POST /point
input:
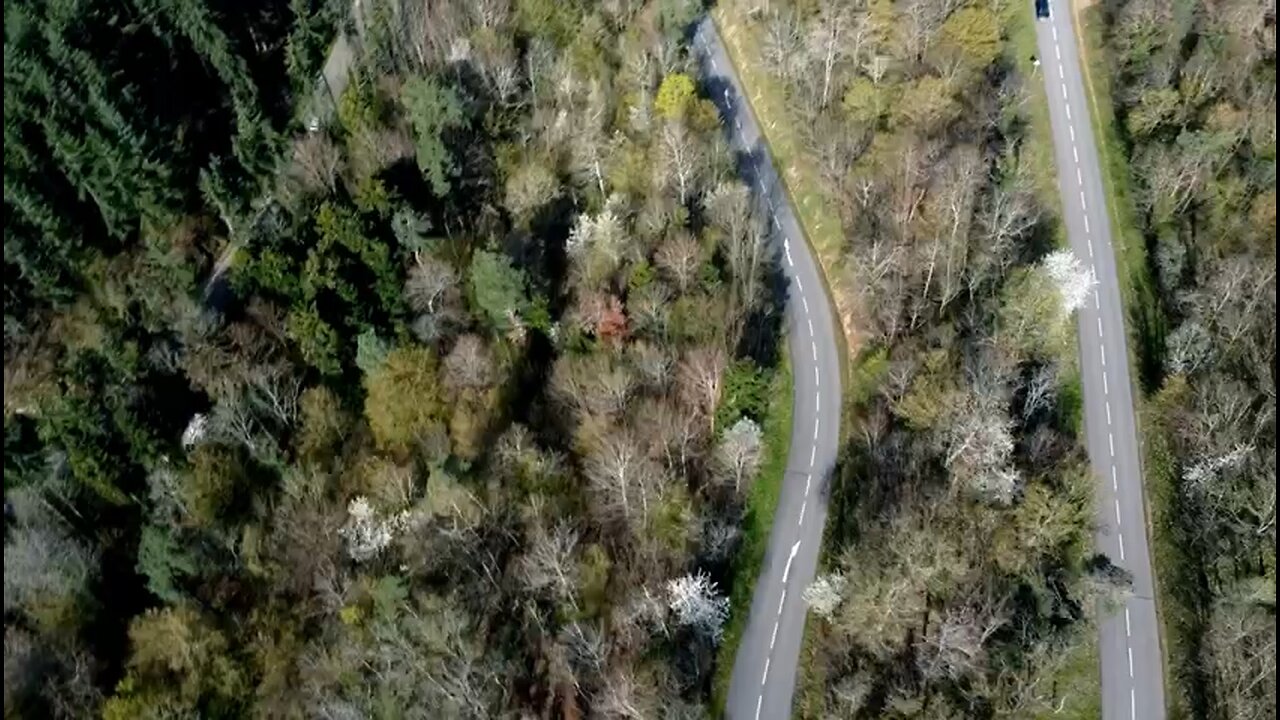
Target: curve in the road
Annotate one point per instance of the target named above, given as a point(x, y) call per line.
point(1129, 643)
point(764, 671)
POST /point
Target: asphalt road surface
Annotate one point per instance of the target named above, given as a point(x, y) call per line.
point(764, 672)
point(1132, 684)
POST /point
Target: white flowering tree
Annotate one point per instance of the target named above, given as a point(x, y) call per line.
point(1038, 303)
point(698, 604)
point(738, 453)
point(367, 532)
point(1204, 474)
point(1071, 278)
point(825, 594)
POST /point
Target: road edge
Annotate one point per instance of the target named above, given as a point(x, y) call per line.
point(1102, 128)
point(844, 348)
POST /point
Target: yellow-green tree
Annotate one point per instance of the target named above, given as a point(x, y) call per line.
point(674, 96)
point(180, 666)
point(974, 33)
point(402, 402)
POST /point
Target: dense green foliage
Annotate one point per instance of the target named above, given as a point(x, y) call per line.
point(113, 111)
point(959, 570)
point(478, 375)
point(1196, 100)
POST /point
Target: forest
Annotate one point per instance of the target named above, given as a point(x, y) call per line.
point(960, 579)
point(441, 402)
point(1195, 106)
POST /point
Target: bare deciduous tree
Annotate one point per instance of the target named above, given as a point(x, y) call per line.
point(469, 365)
point(595, 384)
point(433, 291)
point(681, 257)
point(624, 480)
point(701, 372)
point(316, 163)
point(954, 647)
point(551, 564)
point(681, 160)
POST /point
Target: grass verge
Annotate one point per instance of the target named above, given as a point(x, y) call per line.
point(1037, 147)
point(1081, 700)
point(762, 502)
point(1142, 307)
point(1080, 675)
point(819, 222)
point(1178, 597)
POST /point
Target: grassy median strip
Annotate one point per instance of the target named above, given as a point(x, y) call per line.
point(762, 502)
point(818, 220)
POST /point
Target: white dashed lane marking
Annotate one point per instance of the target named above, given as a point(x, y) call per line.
point(1117, 502)
point(1090, 243)
point(782, 600)
point(1083, 204)
point(814, 346)
point(1111, 441)
point(810, 326)
point(764, 677)
point(1105, 389)
point(758, 701)
point(1068, 109)
point(1071, 129)
point(815, 429)
point(1079, 177)
point(1121, 538)
point(1061, 75)
point(1086, 224)
point(1133, 704)
point(1075, 153)
point(1064, 92)
point(1130, 662)
point(817, 402)
point(1114, 484)
point(805, 300)
point(1128, 629)
point(1108, 412)
point(1102, 349)
point(800, 287)
point(803, 505)
point(816, 380)
point(813, 455)
point(1099, 327)
point(774, 638)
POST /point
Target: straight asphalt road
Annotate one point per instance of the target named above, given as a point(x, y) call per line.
point(764, 671)
point(1132, 676)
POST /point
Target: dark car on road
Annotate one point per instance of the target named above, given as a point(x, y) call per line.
point(1042, 9)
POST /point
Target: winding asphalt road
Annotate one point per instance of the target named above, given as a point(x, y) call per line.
point(1132, 676)
point(764, 672)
